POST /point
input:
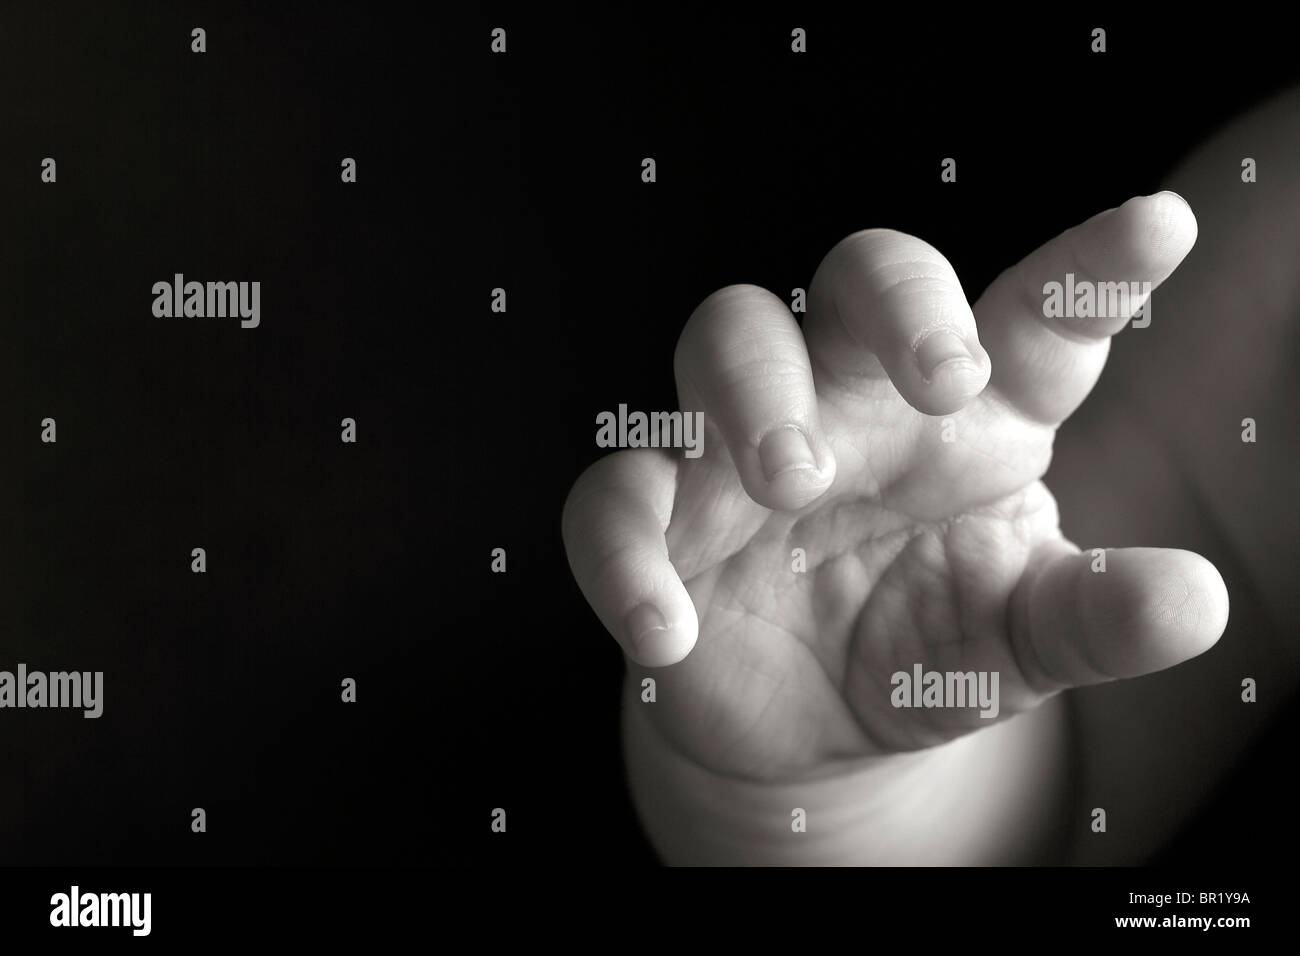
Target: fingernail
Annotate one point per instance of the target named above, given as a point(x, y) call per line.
point(942, 349)
point(785, 449)
point(644, 621)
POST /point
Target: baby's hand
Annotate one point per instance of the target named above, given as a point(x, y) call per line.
point(869, 501)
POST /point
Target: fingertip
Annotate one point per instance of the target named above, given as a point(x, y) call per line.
point(1190, 600)
point(1163, 227)
point(1172, 205)
point(795, 466)
point(1172, 227)
point(953, 385)
point(652, 639)
point(613, 526)
point(1166, 606)
point(952, 371)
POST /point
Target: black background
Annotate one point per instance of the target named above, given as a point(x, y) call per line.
point(327, 560)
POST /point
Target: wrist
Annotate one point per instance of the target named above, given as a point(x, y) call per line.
point(993, 797)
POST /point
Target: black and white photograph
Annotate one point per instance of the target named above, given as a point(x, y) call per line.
point(457, 455)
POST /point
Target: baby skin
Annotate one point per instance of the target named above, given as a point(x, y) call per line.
point(870, 502)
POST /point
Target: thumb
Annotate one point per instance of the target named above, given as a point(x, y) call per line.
point(1093, 616)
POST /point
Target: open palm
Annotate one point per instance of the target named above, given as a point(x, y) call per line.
point(869, 501)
